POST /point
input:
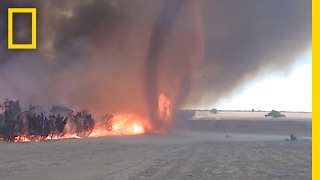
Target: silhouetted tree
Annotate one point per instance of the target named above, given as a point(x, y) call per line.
point(35, 125)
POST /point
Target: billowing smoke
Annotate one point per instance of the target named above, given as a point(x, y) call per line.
point(119, 55)
point(90, 54)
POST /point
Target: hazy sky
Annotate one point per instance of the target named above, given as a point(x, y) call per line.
point(292, 92)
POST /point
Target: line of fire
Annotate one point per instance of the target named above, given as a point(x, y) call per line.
point(36, 123)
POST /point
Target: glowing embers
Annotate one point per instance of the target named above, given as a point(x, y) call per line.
point(22, 139)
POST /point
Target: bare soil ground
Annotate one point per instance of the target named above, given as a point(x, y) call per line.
point(192, 154)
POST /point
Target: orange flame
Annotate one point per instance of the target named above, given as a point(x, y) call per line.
point(32, 138)
point(122, 125)
point(164, 108)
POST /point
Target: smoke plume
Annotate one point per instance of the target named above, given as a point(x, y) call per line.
point(119, 56)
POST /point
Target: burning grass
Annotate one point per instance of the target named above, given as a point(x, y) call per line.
point(32, 138)
point(62, 123)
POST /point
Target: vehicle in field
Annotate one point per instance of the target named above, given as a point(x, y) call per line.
point(275, 114)
point(214, 111)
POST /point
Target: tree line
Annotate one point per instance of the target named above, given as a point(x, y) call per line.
point(40, 125)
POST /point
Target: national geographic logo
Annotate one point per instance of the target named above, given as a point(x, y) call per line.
point(33, 12)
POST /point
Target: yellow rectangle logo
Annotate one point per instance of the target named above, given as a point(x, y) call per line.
point(33, 44)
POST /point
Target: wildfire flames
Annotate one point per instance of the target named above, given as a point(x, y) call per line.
point(164, 108)
point(120, 124)
point(24, 138)
point(132, 124)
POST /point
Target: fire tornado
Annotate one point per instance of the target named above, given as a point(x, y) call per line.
point(135, 64)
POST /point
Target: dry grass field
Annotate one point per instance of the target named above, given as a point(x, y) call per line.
point(255, 149)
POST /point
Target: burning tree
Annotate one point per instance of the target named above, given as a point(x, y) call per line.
point(37, 124)
point(16, 125)
point(81, 123)
point(107, 122)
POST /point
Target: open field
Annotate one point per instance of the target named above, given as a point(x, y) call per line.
point(250, 123)
point(225, 115)
point(256, 150)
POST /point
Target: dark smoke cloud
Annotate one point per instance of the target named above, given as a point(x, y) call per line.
point(87, 55)
point(119, 55)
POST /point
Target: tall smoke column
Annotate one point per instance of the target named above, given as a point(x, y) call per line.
point(176, 45)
